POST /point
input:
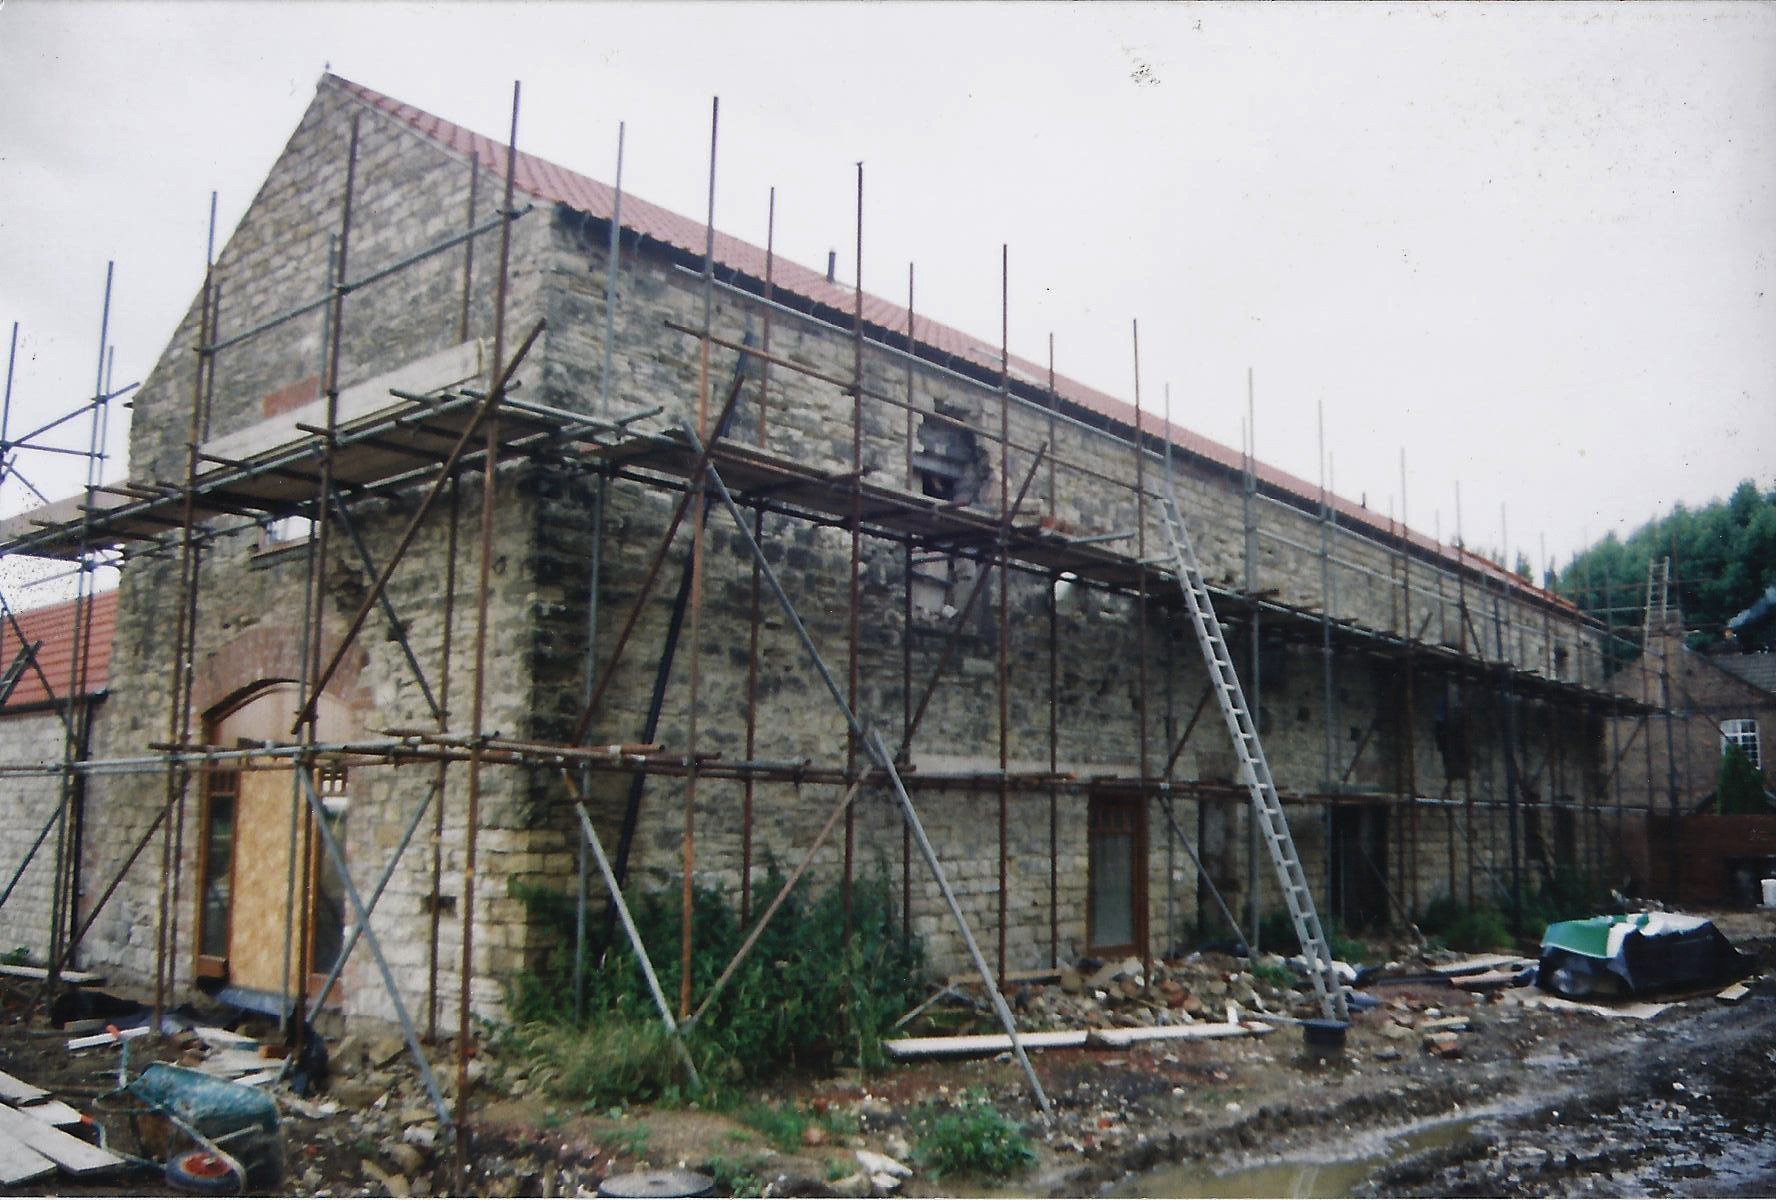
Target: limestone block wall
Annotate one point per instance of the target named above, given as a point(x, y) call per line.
point(1096, 690)
point(408, 193)
point(33, 738)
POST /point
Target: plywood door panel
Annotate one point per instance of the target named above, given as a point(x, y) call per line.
point(261, 882)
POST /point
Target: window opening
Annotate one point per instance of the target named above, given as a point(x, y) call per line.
point(223, 786)
point(1743, 733)
point(285, 531)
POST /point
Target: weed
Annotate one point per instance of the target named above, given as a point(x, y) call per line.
point(1276, 932)
point(1475, 930)
point(973, 1138)
point(631, 1142)
point(1275, 974)
point(782, 1127)
point(18, 956)
point(838, 1168)
point(807, 995)
point(737, 1177)
point(615, 1060)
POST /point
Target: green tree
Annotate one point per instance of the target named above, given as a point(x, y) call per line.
point(1724, 555)
point(1739, 788)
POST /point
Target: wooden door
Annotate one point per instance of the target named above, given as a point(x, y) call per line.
point(1116, 892)
point(261, 883)
point(244, 850)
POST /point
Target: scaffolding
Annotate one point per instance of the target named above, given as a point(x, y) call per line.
point(421, 446)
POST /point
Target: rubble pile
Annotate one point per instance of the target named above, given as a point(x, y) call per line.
point(1179, 992)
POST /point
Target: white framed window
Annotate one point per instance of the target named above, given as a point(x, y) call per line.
point(1743, 733)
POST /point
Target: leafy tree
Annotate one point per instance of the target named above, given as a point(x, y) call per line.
point(1739, 788)
point(1723, 555)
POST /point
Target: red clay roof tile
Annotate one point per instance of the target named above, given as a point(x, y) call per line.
point(547, 181)
point(53, 625)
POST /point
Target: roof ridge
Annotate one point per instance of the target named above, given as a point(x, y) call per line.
point(545, 180)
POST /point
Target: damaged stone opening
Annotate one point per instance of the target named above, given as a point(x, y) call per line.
point(949, 464)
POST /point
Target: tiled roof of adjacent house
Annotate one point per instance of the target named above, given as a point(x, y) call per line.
point(546, 181)
point(53, 626)
point(1759, 670)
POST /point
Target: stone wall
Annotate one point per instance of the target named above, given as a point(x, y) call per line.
point(1098, 635)
point(33, 738)
point(1673, 760)
point(408, 194)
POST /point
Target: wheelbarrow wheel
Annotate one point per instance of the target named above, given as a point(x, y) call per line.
point(203, 1174)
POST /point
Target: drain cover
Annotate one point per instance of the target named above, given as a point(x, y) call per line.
point(655, 1185)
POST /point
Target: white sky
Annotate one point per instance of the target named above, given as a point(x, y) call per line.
point(1532, 245)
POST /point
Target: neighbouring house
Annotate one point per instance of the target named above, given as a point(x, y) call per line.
point(52, 703)
point(1671, 765)
point(930, 513)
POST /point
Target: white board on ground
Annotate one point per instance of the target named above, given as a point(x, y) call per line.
point(1170, 1033)
point(983, 1043)
point(229, 1063)
point(21, 1164)
point(107, 1038)
point(14, 1090)
point(1636, 1010)
point(52, 1112)
point(1486, 962)
point(66, 1151)
point(75, 977)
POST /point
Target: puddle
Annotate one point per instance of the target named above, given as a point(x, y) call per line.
point(1303, 1177)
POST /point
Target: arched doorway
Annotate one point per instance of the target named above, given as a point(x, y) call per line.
point(258, 854)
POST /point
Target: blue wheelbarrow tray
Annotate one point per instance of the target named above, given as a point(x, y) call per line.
point(219, 1114)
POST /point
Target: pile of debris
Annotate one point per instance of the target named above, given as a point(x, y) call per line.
point(1183, 991)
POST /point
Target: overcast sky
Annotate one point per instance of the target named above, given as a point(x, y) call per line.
point(1533, 245)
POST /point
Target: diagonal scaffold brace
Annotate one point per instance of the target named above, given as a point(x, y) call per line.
point(590, 839)
point(872, 742)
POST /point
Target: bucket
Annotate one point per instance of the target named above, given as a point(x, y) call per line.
point(1769, 886)
point(1324, 1035)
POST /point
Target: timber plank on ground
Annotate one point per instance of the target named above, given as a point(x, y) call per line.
point(14, 1090)
point(21, 1164)
point(80, 978)
point(64, 1150)
point(52, 1112)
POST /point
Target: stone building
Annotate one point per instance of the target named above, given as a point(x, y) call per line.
point(1412, 696)
point(66, 656)
point(1671, 764)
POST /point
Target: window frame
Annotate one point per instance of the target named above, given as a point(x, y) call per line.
point(1743, 733)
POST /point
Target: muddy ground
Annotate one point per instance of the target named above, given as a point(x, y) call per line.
point(1533, 1102)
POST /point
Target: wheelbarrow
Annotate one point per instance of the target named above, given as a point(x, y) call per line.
point(233, 1128)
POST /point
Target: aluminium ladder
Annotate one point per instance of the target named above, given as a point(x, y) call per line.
point(1254, 768)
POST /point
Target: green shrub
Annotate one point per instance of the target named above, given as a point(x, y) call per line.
point(1564, 894)
point(973, 1138)
point(1739, 788)
point(1476, 930)
point(805, 996)
point(1276, 934)
point(18, 956)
